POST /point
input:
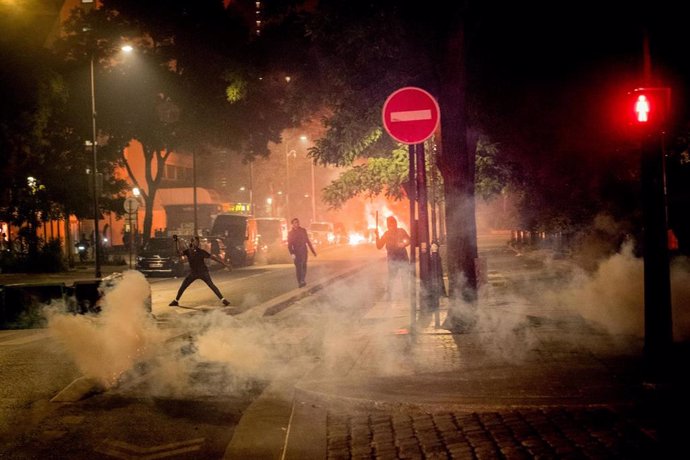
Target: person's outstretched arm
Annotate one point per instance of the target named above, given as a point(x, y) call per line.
point(381, 242)
point(220, 261)
point(310, 246)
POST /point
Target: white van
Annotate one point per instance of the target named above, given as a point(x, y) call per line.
point(238, 232)
point(322, 233)
point(272, 236)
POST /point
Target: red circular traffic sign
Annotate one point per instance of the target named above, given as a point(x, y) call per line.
point(410, 115)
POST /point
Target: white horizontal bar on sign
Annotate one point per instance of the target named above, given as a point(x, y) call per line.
point(411, 115)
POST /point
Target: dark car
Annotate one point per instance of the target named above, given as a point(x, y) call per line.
point(159, 256)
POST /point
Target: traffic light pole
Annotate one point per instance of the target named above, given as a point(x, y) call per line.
point(658, 341)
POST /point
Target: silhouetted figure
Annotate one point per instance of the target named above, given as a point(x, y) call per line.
point(396, 240)
point(298, 242)
point(197, 269)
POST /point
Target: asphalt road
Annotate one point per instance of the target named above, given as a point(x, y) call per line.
point(249, 286)
point(185, 400)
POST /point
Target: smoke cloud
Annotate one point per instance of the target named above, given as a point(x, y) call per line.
point(106, 346)
point(217, 353)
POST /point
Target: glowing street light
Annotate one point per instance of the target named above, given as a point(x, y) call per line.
point(288, 154)
point(94, 146)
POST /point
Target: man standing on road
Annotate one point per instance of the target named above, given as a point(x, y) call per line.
point(298, 241)
point(396, 241)
point(198, 269)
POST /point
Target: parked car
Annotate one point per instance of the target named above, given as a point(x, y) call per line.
point(272, 238)
point(159, 256)
point(322, 233)
point(239, 235)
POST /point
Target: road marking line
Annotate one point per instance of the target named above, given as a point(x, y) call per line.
point(26, 338)
point(124, 450)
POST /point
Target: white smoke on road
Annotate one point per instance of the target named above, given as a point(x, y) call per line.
point(598, 306)
point(218, 353)
point(611, 296)
point(106, 346)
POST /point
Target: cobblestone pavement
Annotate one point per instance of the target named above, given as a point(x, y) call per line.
point(553, 384)
point(578, 433)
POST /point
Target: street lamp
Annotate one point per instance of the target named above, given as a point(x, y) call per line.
point(251, 189)
point(289, 153)
point(94, 171)
point(313, 195)
point(94, 182)
point(269, 203)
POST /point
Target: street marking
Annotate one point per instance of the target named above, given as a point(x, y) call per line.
point(411, 115)
point(124, 450)
point(24, 337)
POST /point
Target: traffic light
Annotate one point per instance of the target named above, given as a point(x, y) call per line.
point(649, 107)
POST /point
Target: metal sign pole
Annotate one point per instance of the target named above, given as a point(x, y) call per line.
point(413, 236)
point(423, 229)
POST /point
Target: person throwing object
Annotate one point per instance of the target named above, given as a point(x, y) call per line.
point(298, 241)
point(396, 240)
point(198, 269)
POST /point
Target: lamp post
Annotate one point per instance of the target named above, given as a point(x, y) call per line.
point(269, 202)
point(287, 179)
point(251, 189)
point(289, 153)
point(313, 195)
point(94, 172)
point(94, 176)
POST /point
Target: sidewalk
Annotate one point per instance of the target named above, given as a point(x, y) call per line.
point(529, 381)
point(79, 272)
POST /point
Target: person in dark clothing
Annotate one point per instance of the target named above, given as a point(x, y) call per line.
point(298, 241)
point(396, 240)
point(197, 269)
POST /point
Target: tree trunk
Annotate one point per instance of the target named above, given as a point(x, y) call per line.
point(457, 165)
point(68, 240)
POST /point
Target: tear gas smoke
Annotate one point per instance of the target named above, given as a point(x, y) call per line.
point(106, 346)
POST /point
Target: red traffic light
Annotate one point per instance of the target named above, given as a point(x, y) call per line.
point(649, 107)
point(642, 109)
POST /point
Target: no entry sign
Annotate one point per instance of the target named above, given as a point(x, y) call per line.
point(410, 115)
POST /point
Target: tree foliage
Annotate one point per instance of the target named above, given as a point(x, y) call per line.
point(38, 141)
point(198, 83)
